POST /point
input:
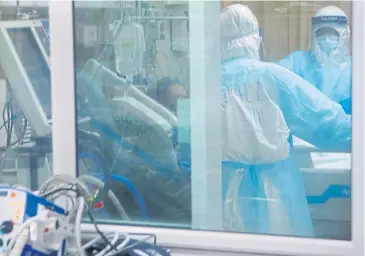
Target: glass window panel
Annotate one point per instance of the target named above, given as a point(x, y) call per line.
point(9, 163)
point(23, 163)
point(10, 178)
point(25, 91)
point(285, 149)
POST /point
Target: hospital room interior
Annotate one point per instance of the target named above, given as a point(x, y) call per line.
point(148, 136)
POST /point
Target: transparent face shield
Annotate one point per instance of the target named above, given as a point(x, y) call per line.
point(327, 39)
point(330, 39)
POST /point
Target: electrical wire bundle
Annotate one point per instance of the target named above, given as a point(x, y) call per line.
point(8, 124)
point(74, 197)
point(109, 244)
point(81, 200)
point(77, 199)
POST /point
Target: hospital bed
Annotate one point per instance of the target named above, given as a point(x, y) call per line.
point(133, 139)
point(327, 179)
point(135, 134)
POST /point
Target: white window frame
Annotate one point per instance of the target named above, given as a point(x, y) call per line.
point(64, 143)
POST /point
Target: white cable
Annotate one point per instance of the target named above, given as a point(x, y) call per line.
point(74, 251)
point(58, 192)
point(20, 243)
point(115, 239)
point(49, 191)
point(120, 247)
point(96, 239)
point(23, 227)
point(79, 213)
point(67, 204)
point(69, 180)
point(55, 189)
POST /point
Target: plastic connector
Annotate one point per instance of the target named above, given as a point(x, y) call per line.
point(50, 232)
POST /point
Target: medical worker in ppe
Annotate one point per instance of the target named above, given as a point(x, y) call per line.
point(263, 105)
point(328, 65)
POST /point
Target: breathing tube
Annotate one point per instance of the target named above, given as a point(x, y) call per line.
point(124, 181)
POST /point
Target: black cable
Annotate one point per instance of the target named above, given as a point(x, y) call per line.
point(22, 136)
point(113, 247)
point(5, 121)
point(2, 126)
point(11, 123)
point(8, 124)
point(57, 191)
point(101, 234)
point(72, 188)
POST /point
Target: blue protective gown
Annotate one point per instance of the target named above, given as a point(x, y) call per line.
point(311, 116)
point(335, 81)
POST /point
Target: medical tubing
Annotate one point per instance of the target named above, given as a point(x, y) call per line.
point(90, 155)
point(55, 190)
point(59, 192)
point(111, 194)
point(125, 182)
point(79, 213)
point(62, 178)
point(96, 239)
point(104, 51)
point(134, 191)
point(20, 243)
point(120, 179)
point(75, 210)
point(23, 227)
point(107, 248)
point(120, 247)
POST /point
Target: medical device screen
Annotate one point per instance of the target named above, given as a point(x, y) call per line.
point(34, 64)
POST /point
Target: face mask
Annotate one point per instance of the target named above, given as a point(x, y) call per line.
point(327, 44)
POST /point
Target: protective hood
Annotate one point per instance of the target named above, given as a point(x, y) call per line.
point(239, 33)
point(327, 51)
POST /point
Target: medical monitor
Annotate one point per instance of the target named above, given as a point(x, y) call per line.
point(26, 66)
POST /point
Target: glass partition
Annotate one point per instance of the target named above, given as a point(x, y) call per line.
point(25, 131)
point(242, 125)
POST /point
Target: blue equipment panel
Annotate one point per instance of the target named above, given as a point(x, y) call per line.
point(17, 207)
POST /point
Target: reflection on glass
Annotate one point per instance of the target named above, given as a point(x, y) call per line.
point(26, 98)
point(281, 132)
point(328, 64)
point(34, 64)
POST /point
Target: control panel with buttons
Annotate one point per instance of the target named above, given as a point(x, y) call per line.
point(12, 213)
point(16, 207)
